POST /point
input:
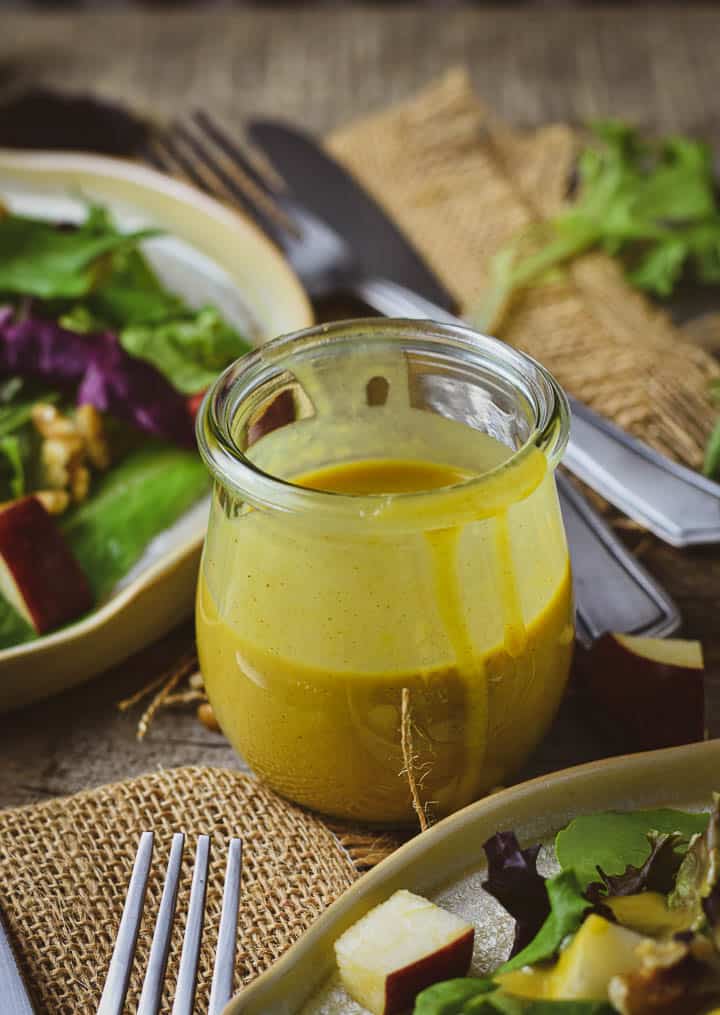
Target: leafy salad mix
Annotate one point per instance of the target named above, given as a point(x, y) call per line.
point(101, 369)
point(630, 923)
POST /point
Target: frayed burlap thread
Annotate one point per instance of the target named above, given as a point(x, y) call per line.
point(65, 866)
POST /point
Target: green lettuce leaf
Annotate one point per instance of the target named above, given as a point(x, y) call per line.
point(650, 201)
point(12, 467)
point(656, 874)
point(39, 259)
point(131, 293)
point(614, 840)
point(189, 347)
point(132, 503)
point(480, 997)
point(453, 997)
point(14, 629)
point(189, 351)
point(568, 907)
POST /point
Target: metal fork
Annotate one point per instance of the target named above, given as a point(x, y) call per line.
point(116, 985)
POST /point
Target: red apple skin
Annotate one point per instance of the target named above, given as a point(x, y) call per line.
point(50, 580)
point(644, 703)
point(405, 984)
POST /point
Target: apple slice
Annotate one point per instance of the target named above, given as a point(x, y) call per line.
point(400, 948)
point(651, 690)
point(38, 574)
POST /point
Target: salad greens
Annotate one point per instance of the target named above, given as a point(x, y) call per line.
point(568, 907)
point(616, 840)
point(482, 997)
point(663, 860)
point(131, 504)
point(190, 351)
point(86, 321)
point(40, 259)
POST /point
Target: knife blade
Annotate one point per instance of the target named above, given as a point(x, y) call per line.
point(14, 993)
point(679, 506)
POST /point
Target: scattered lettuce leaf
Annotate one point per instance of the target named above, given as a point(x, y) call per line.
point(514, 881)
point(614, 840)
point(190, 352)
point(38, 258)
point(105, 375)
point(131, 504)
point(656, 874)
point(650, 201)
point(568, 908)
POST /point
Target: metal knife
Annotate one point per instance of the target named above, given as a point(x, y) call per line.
point(613, 591)
point(14, 996)
point(679, 506)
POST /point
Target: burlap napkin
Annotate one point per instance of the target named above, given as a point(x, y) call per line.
point(65, 866)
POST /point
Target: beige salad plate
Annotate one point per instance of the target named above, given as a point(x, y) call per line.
point(446, 863)
point(209, 254)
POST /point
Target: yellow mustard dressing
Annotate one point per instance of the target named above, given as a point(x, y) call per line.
point(307, 639)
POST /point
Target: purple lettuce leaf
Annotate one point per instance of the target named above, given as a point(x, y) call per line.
point(514, 881)
point(104, 374)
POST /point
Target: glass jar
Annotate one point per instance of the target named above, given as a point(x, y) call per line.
point(398, 637)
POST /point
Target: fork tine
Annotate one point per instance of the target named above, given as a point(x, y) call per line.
point(149, 1003)
point(222, 981)
point(178, 158)
point(187, 976)
point(118, 976)
point(268, 218)
point(233, 152)
point(154, 157)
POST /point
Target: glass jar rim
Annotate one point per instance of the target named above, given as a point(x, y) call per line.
point(235, 471)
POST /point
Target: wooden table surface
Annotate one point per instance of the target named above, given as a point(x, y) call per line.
point(320, 67)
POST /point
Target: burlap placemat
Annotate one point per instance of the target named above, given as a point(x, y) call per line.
point(462, 184)
point(65, 866)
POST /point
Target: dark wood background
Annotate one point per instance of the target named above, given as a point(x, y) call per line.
point(321, 65)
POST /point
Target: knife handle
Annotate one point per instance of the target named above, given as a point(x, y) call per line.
point(613, 591)
point(681, 507)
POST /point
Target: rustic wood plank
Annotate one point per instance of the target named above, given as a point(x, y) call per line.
point(319, 68)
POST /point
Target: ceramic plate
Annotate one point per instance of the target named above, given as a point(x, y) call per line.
point(209, 254)
point(446, 863)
